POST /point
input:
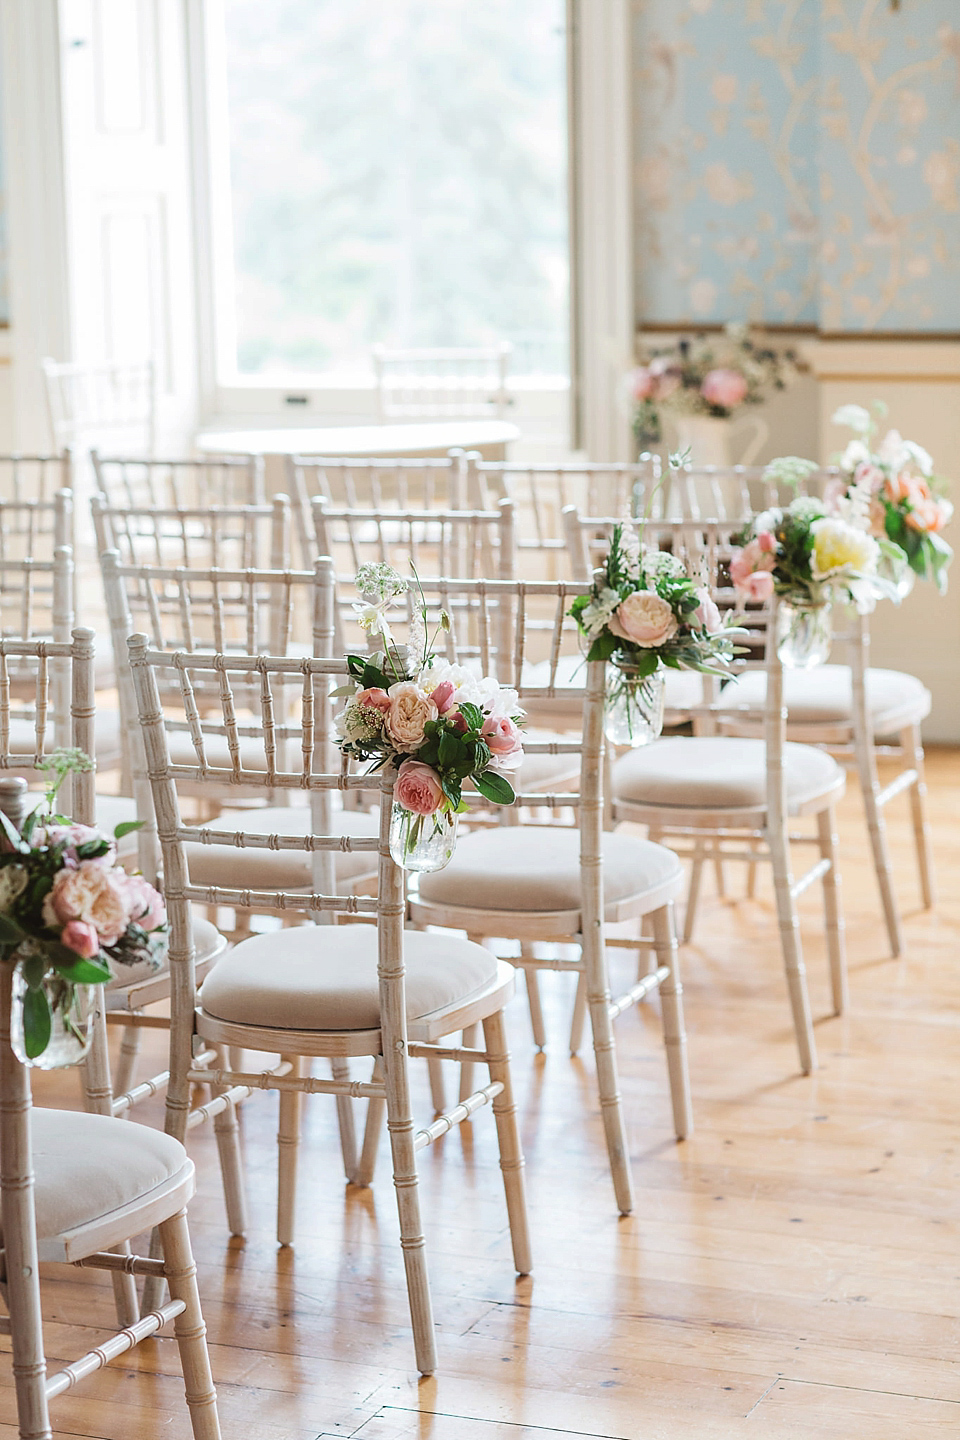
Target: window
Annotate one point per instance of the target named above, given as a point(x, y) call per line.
point(397, 175)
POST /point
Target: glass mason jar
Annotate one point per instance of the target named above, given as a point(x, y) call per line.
point(422, 842)
point(71, 1019)
point(804, 634)
point(633, 709)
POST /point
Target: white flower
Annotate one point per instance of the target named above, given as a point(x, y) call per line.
point(807, 507)
point(768, 520)
point(658, 563)
point(921, 458)
point(13, 882)
point(379, 583)
point(855, 454)
point(789, 470)
point(596, 616)
point(630, 545)
point(841, 549)
point(892, 451)
point(854, 417)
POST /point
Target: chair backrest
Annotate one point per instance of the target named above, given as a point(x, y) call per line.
point(114, 402)
point(35, 477)
point(193, 483)
point(729, 492)
point(36, 529)
point(233, 537)
point(30, 729)
point(372, 485)
point(541, 492)
point(467, 543)
point(442, 383)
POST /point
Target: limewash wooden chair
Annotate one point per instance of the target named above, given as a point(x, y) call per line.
point(708, 790)
point(113, 402)
point(230, 537)
point(442, 383)
point(140, 482)
point(556, 883)
point(329, 990)
point(76, 1188)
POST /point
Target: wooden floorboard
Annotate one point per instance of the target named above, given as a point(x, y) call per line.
point(792, 1270)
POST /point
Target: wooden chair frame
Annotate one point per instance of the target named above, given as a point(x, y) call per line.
point(116, 396)
point(146, 482)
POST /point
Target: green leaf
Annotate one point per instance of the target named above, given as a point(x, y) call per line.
point(10, 932)
point(92, 849)
point(603, 647)
point(13, 834)
point(33, 971)
point(37, 1023)
point(495, 788)
point(82, 972)
point(449, 749)
point(472, 714)
point(127, 827)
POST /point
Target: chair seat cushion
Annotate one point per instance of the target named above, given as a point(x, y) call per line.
point(542, 772)
point(207, 941)
point(23, 736)
point(825, 695)
point(324, 977)
point(254, 869)
point(537, 867)
point(88, 1166)
point(718, 773)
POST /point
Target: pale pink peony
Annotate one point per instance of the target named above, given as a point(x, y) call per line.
point(642, 383)
point(905, 486)
point(502, 736)
point(834, 491)
point(373, 699)
point(767, 542)
point(418, 788)
point(757, 556)
point(724, 388)
point(92, 893)
point(442, 695)
point(666, 378)
point(927, 514)
point(644, 619)
point(81, 937)
point(758, 586)
point(867, 474)
point(707, 614)
point(410, 709)
point(146, 904)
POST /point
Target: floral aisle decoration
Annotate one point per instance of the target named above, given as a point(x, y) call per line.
point(902, 496)
point(812, 559)
point(438, 725)
point(645, 613)
point(70, 918)
point(707, 375)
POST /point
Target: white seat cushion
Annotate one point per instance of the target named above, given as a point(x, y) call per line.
point(718, 773)
point(323, 977)
point(207, 941)
point(537, 867)
point(88, 1166)
point(542, 772)
point(23, 735)
point(825, 695)
point(253, 869)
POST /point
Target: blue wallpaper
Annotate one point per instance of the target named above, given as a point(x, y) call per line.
point(798, 161)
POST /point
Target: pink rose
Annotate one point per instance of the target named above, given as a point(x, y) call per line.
point(458, 721)
point(666, 378)
point(758, 586)
point(758, 555)
point(878, 516)
point(644, 619)
point(410, 709)
point(505, 742)
point(80, 937)
point(724, 388)
point(442, 695)
point(373, 699)
point(146, 904)
point(642, 383)
point(766, 542)
point(926, 514)
point(707, 614)
point(905, 487)
point(833, 492)
point(867, 474)
point(418, 788)
point(93, 893)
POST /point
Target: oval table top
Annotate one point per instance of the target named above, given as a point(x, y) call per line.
point(425, 438)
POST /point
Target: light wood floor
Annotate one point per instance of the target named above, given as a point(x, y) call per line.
point(791, 1271)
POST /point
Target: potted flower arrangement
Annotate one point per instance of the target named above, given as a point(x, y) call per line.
point(438, 725)
point(705, 378)
point(904, 497)
point(811, 559)
point(69, 915)
point(644, 613)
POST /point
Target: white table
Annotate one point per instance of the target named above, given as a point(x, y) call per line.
point(430, 438)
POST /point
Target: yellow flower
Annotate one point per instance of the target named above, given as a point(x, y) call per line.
point(838, 546)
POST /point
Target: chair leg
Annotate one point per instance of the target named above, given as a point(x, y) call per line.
point(674, 1033)
point(693, 893)
point(833, 911)
point(869, 787)
point(608, 1086)
point(471, 1039)
point(189, 1329)
point(508, 1139)
point(752, 869)
point(792, 954)
point(288, 1147)
point(718, 871)
point(913, 748)
point(412, 1242)
point(227, 1130)
point(533, 998)
point(371, 1133)
point(438, 1090)
point(579, 1017)
point(340, 1069)
point(126, 1059)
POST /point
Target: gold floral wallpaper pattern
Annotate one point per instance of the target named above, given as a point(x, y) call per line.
point(798, 161)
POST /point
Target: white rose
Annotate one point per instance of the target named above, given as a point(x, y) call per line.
point(838, 546)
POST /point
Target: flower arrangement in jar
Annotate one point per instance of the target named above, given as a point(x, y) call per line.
point(905, 499)
point(69, 917)
point(644, 613)
point(705, 375)
point(438, 725)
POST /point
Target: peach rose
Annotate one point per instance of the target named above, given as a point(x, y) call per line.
point(878, 516)
point(927, 514)
point(505, 741)
point(91, 893)
point(724, 388)
point(146, 904)
point(418, 788)
point(644, 619)
point(410, 709)
point(867, 474)
point(757, 586)
point(642, 383)
point(80, 937)
point(707, 614)
point(373, 699)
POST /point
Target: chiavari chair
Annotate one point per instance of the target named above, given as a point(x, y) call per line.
point(115, 402)
point(141, 482)
point(315, 990)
